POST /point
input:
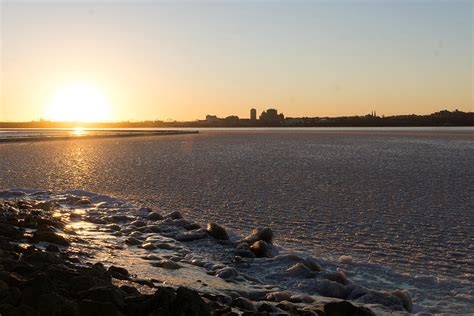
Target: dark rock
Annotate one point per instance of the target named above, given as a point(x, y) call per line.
point(49, 236)
point(244, 253)
point(104, 294)
point(331, 289)
point(344, 308)
point(118, 273)
point(245, 304)
point(339, 277)
point(175, 215)
point(227, 273)
point(217, 231)
point(300, 270)
point(260, 249)
point(154, 216)
point(82, 283)
point(130, 290)
point(52, 248)
point(405, 297)
point(189, 302)
point(265, 234)
point(8, 230)
point(94, 308)
point(53, 304)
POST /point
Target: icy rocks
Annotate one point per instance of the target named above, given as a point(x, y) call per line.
point(405, 297)
point(265, 234)
point(217, 231)
point(50, 236)
point(260, 249)
point(227, 273)
point(300, 270)
point(175, 215)
point(345, 259)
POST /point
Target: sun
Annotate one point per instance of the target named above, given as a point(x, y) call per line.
point(79, 102)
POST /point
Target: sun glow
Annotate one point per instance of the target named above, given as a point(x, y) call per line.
point(79, 103)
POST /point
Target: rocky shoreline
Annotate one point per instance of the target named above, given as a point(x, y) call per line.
point(51, 265)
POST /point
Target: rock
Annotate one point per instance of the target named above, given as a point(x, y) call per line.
point(52, 248)
point(169, 264)
point(118, 273)
point(301, 298)
point(191, 235)
point(119, 218)
point(154, 216)
point(49, 236)
point(260, 249)
point(331, 289)
point(189, 303)
point(300, 270)
point(313, 266)
point(54, 304)
point(344, 308)
point(94, 308)
point(279, 296)
point(175, 215)
point(383, 298)
point(149, 246)
point(191, 226)
point(338, 276)
point(165, 246)
point(132, 241)
point(103, 294)
point(345, 259)
point(8, 230)
point(244, 253)
point(245, 304)
point(138, 223)
point(405, 297)
point(217, 231)
point(265, 234)
point(82, 283)
point(227, 273)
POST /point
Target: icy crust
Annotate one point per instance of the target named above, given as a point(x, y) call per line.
point(168, 249)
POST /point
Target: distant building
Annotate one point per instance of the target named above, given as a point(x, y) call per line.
point(212, 118)
point(253, 115)
point(271, 116)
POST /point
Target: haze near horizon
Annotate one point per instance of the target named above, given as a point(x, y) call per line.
point(147, 60)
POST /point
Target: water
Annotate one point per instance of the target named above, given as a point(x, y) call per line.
point(399, 201)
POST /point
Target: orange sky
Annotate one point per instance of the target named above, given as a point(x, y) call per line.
point(185, 60)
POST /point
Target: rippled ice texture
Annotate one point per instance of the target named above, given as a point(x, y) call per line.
point(399, 202)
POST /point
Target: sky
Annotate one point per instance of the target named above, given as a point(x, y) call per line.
point(182, 60)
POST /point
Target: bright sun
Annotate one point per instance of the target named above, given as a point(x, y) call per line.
point(79, 103)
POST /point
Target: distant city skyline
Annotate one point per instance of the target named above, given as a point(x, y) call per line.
point(148, 60)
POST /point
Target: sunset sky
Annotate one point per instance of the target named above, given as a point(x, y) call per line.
point(183, 60)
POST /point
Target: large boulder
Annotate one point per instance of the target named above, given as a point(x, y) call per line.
point(50, 236)
point(265, 234)
point(217, 231)
point(189, 303)
point(260, 249)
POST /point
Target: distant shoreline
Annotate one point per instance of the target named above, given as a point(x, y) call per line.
point(119, 134)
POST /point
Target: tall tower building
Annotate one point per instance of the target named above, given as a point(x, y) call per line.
point(253, 114)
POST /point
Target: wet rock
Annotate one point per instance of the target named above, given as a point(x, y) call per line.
point(345, 308)
point(345, 259)
point(191, 235)
point(300, 270)
point(279, 296)
point(165, 246)
point(54, 304)
point(132, 241)
point(93, 308)
point(118, 273)
point(154, 216)
point(82, 283)
point(313, 266)
point(8, 230)
point(227, 273)
point(244, 253)
point(191, 226)
point(338, 276)
point(217, 231)
point(138, 223)
point(175, 215)
point(188, 302)
point(50, 236)
point(149, 246)
point(52, 248)
point(405, 297)
point(301, 298)
point(260, 249)
point(245, 304)
point(119, 218)
point(104, 294)
point(331, 289)
point(265, 234)
point(169, 264)
point(386, 299)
